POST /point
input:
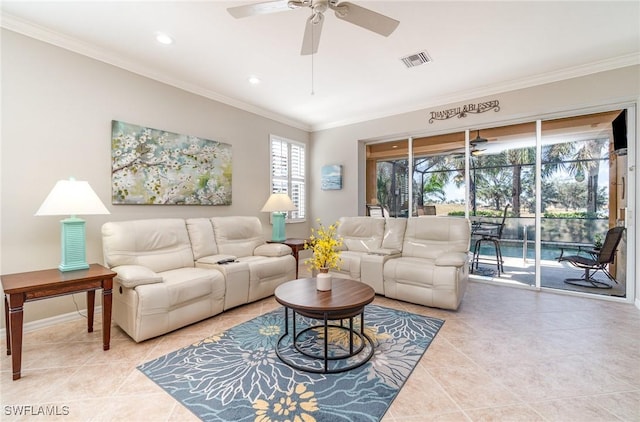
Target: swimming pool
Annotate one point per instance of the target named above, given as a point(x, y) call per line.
point(513, 249)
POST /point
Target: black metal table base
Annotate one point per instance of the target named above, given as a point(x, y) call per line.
point(364, 341)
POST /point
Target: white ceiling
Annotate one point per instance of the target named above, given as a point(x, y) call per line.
point(478, 48)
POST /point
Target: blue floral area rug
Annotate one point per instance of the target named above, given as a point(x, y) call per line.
point(237, 376)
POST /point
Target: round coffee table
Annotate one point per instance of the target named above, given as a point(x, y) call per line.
point(345, 300)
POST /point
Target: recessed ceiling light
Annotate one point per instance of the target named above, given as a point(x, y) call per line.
point(254, 80)
point(163, 38)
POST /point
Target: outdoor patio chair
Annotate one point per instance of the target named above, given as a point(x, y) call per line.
point(374, 210)
point(597, 261)
point(489, 232)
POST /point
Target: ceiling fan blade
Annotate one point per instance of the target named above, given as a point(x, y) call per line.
point(312, 32)
point(258, 8)
point(365, 18)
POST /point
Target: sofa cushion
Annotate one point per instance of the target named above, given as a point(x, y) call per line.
point(394, 229)
point(160, 244)
point(416, 271)
point(203, 242)
point(431, 236)
point(361, 234)
point(187, 284)
point(238, 236)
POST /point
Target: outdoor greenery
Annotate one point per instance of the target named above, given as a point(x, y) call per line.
point(570, 172)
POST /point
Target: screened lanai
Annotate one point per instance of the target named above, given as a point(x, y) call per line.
point(561, 183)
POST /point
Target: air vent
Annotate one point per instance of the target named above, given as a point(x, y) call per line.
point(416, 59)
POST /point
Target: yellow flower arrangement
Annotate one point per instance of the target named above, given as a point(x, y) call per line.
point(325, 244)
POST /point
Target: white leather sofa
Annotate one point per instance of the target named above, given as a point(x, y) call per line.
point(169, 275)
point(423, 260)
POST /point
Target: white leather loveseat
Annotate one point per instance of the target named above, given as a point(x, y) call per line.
point(423, 260)
point(162, 286)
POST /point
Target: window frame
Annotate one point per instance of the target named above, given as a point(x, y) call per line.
point(290, 179)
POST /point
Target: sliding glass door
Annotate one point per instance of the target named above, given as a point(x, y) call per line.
point(438, 175)
point(553, 187)
point(581, 201)
point(502, 181)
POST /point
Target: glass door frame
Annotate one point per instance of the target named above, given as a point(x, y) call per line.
point(631, 181)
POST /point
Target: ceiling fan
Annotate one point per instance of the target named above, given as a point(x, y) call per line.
point(357, 15)
point(474, 150)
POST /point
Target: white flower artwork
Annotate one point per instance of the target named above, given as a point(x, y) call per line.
point(156, 167)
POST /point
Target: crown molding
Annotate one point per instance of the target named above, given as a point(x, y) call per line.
point(48, 36)
point(514, 85)
point(29, 29)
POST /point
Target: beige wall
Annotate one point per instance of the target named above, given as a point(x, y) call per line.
point(57, 108)
point(344, 145)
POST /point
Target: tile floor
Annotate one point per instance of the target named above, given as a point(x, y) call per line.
point(507, 354)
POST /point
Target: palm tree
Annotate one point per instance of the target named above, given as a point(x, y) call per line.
point(435, 172)
point(492, 182)
point(517, 158)
point(577, 161)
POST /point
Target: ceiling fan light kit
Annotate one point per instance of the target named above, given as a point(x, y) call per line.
point(346, 11)
point(478, 140)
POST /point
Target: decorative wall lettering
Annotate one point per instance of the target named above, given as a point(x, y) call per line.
point(464, 110)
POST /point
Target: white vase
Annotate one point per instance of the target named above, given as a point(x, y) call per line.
point(323, 281)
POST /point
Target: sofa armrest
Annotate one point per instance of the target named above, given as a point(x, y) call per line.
point(452, 259)
point(272, 249)
point(135, 275)
point(384, 252)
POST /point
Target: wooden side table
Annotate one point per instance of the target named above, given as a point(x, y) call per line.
point(35, 285)
point(296, 246)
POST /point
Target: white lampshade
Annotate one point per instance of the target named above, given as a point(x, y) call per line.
point(279, 202)
point(72, 197)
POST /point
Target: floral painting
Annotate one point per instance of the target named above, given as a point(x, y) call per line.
point(151, 166)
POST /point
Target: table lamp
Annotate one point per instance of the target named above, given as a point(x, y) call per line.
point(72, 197)
point(278, 204)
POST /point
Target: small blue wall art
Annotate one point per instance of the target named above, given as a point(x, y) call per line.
point(331, 177)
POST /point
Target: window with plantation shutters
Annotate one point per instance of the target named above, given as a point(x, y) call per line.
point(288, 173)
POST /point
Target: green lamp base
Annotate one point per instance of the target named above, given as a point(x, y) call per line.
point(278, 233)
point(72, 242)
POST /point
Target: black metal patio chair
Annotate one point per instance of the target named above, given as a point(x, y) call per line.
point(598, 260)
point(489, 232)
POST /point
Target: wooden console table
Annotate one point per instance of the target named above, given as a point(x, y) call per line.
point(25, 287)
